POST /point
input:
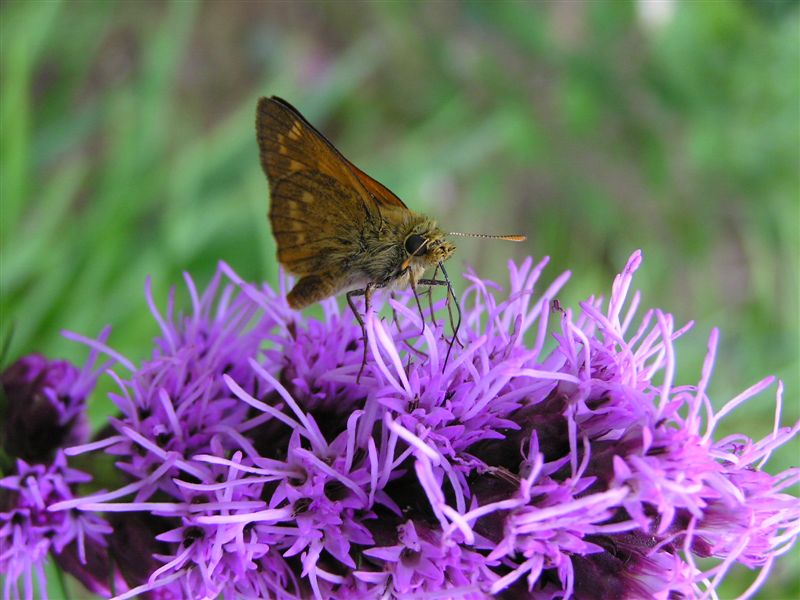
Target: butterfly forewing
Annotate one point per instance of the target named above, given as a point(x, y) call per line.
point(288, 144)
point(319, 201)
point(382, 195)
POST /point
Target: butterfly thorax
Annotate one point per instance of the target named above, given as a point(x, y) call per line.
point(390, 257)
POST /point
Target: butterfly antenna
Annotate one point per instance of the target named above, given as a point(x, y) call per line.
point(508, 238)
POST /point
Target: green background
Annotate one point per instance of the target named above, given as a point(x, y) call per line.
point(594, 127)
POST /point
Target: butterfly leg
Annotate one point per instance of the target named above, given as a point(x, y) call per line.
point(454, 326)
point(457, 325)
point(395, 318)
point(367, 293)
point(413, 285)
point(408, 344)
point(350, 295)
point(452, 294)
point(430, 297)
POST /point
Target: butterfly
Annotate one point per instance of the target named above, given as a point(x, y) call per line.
point(337, 229)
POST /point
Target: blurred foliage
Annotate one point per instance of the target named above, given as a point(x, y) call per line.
point(594, 127)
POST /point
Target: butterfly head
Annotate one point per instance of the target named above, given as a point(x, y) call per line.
point(425, 246)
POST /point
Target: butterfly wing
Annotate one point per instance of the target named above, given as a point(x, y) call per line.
point(288, 142)
point(320, 202)
point(313, 193)
point(383, 196)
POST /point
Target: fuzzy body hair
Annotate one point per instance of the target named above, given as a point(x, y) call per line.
point(385, 250)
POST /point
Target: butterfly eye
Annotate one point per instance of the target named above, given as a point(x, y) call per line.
point(414, 243)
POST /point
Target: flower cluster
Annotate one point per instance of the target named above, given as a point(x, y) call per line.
point(43, 408)
point(267, 469)
point(551, 455)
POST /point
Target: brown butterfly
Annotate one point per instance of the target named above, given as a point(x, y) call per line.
point(336, 228)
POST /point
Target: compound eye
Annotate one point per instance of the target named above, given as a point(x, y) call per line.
point(413, 244)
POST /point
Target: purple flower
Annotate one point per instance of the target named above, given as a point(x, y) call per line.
point(45, 403)
point(266, 470)
point(28, 531)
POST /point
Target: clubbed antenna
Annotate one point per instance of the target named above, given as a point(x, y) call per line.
point(508, 238)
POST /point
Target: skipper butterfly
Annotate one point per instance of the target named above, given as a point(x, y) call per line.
point(337, 229)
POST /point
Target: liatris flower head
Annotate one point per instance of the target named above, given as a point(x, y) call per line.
point(259, 465)
point(43, 410)
point(44, 406)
